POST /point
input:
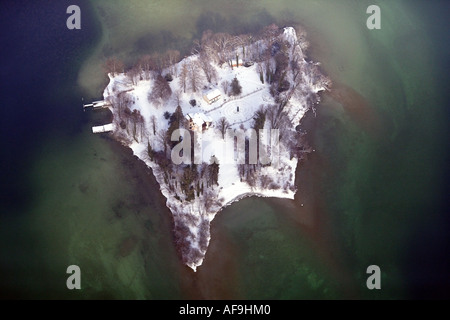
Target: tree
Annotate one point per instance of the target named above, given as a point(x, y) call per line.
point(176, 121)
point(295, 67)
point(236, 88)
point(223, 125)
point(138, 124)
point(147, 65)
point(120, 103)
point(159, 62)
point(177, 118)
point(208, 69)
point(173, 56)
point(281, 64)
point(134, 74)
point(127, 117)
point(161, 90)
point(261, 72)
point(177, 95)
point(150, 151)
point(154, 126)
point(225, 86)
point(221, 43)
point(161, 136)
point(270, 33)
point(183, 76)
point(113, 66)
point(189, 177)
point(195, 77)
point(259, 119)
point(213, 171)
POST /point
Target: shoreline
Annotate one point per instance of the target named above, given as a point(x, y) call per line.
point(284, 109)
point(191, 281)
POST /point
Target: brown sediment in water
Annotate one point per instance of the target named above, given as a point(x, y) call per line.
point(127, 246)
point(309, 210)
point(309, 213)
point(357, 108)
point(216, 278)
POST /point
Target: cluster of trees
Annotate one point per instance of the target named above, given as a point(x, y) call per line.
point(222, 48)
point(131, 121)
point(278, 63)
point(191, 75)
point(160, 92)
point(146, 64)
point(266, 48)
point(182, 236)
point(187, 181)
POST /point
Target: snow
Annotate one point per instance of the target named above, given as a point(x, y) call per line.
point(239, 112)
point(212, 95)
point(198, 118)
point(105, 128)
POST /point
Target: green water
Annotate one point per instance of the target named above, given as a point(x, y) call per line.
point(372, 189)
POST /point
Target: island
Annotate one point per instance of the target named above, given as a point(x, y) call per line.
point(218, 125)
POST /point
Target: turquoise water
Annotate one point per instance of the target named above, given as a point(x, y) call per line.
point(371, 193)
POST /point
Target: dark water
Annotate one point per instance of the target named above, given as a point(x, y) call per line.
point(374, 192)
point(39, 64)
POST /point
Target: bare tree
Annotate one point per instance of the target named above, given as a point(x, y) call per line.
point(225, 86)
point(295, 67)
point(195, 77)
point(183, 76)
point(173, 56)
point(271, 32)
point(138, 125)
point(260, 70)
point(177, 94)
point(134, 74)
point(223, 125)
point(147, 65)
point(222, 46)
point(161, 140)
point(154, 125)
point(272, 116)
point(121, 102)
point(113, 66)
point(159, 62)
point(208, 69)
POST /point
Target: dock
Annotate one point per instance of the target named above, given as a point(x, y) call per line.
point(105, 128)
point(97, 105)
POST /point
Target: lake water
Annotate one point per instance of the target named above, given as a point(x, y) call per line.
point(373, 192)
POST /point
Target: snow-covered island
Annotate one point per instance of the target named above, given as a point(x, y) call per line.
point(221, 97)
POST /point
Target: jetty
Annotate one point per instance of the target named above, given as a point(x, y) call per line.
point(104, 128)
point(97, 104)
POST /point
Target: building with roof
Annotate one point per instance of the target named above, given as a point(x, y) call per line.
point(198, 121)
point(237, 63)
point(212, 96)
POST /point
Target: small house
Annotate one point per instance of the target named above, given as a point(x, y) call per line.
point(237, 63)
point(212, 96)
point(198, 121)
